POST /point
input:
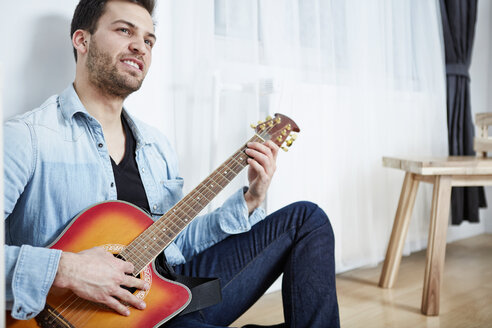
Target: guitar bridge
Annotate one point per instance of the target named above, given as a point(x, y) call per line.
point(50, 318)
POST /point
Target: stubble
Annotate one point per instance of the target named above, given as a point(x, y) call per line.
point(104, 74)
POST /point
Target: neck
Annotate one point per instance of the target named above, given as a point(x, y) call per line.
point(103, 107)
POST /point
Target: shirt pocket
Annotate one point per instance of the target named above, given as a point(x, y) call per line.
point(173, 191)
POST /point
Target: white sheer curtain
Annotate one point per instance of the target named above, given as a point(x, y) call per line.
point(362, 79)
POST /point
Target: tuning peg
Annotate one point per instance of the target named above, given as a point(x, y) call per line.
point(268, 118)
point(290, 141)
point(253, 126)
point(262, 126)
point(279, 139)
point(278, 120)
point(294, 136)
point(285, 149)
point(260, 122)
point(288, 127)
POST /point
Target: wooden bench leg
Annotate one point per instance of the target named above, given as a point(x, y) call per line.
point(399, 232)
point(436, 248)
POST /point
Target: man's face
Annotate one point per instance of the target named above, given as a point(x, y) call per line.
point(120, 50)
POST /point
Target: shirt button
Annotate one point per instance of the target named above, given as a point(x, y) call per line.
point(155, 207)
point(143, 170)
point(100, 145)
point(112, 184)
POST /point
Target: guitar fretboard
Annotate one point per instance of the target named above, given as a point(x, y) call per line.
point(157, 237)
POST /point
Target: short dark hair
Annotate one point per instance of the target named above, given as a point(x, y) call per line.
point(88, 12)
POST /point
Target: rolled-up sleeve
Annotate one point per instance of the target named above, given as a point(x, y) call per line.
point(205, 231)
point(30, 272)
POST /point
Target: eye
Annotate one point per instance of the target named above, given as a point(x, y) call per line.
point(149, 43)
point(124, 30)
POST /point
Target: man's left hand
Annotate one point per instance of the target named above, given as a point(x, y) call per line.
point(262, 165)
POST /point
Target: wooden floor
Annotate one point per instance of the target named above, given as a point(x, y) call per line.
point(466, 293)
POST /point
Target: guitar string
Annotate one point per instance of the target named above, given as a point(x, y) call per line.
point(237, 164)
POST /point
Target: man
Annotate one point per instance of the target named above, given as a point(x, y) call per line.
point(81, 147)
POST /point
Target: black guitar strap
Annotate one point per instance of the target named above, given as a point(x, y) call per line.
point(205, 291)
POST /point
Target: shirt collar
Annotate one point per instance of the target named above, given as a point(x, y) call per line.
point(70, 105)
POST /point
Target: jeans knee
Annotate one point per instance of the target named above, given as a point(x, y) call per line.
point(312, 213)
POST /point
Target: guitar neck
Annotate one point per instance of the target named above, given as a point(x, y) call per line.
point(162, 232)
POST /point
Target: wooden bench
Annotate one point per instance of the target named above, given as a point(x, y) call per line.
point(443, 173)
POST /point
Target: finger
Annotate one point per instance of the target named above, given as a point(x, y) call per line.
point(258, 168)
point(114, 304)
point(255, 154)
point(130, 281)
point(259, 158)
point(127, 267)
point(273, 148)
point(262, 148)
point(125, 296)
point(258, 148)
point(266, 161)
point(269, 149)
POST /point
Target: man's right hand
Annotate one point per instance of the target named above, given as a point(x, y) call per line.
point(96, 275)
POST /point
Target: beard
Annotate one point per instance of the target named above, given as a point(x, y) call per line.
point(104, 74)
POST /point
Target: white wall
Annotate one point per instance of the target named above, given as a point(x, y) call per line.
point(36, 51)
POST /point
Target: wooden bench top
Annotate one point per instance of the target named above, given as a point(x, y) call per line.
point(452, 165)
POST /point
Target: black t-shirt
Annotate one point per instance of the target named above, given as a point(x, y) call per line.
point(129, 185)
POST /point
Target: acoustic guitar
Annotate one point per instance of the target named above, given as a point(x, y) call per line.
point(123, 229)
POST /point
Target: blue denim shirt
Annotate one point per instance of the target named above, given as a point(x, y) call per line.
point(57, 164)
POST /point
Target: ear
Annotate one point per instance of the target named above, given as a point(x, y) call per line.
point(80, 41)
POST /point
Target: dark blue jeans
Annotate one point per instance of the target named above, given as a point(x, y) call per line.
point(296, 241)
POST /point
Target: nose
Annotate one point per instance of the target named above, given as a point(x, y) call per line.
point(137, 46)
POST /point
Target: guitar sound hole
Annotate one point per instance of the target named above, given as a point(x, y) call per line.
point(130, 289)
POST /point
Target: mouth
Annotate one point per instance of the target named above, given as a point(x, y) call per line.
point(134, 63)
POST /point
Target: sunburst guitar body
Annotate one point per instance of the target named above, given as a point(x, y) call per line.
point(110, 225)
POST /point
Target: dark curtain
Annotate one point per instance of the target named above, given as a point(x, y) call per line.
point(458, 22)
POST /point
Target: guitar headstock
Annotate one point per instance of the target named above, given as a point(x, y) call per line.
point(277, 129)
